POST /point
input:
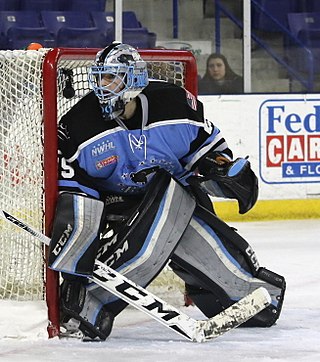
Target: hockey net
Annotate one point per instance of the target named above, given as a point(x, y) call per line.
point(36, 91)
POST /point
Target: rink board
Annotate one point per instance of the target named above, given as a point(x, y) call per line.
point(281, 135)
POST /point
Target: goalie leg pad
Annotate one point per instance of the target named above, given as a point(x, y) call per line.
point(222, 278)
point(269, 316)
point(141, 245)
point(75, 236)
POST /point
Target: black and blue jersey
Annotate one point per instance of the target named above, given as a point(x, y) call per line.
point(168, 130)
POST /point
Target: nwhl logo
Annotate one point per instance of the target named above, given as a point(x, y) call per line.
point(290, 141)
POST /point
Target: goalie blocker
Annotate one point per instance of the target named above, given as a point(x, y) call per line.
point(140, 236)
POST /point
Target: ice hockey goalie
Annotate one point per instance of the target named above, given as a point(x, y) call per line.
point(137, 163)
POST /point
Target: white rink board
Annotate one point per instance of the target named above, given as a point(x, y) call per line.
point(281, 135)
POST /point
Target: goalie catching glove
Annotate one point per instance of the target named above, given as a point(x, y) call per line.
point(228, 179)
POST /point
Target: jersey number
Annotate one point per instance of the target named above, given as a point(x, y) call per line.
point(66, 170)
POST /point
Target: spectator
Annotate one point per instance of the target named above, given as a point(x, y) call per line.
point(219, 77)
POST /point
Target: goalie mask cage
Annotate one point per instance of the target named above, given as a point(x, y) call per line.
point(36, 91)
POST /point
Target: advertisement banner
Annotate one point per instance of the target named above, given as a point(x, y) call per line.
point(289, 140)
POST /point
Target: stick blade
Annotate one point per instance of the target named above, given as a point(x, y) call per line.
point(233, 316)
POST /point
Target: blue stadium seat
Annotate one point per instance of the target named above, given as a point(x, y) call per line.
point(73, 29)
point(105, 22)
point(9, 19)
point(9, 5)
point(130, 20)
point(20, 37)
point(132, 32)
point(55, 20)
point(14, 23)
point(306, 28)
point(305, 22)
point(38, 5)
point(80, 38)
point(139, 38)
point(277, 9)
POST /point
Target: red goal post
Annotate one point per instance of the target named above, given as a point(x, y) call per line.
point(44, 98)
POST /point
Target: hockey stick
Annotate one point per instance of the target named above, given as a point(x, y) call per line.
point(192, 329)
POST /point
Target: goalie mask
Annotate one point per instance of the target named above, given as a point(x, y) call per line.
point(117, 76)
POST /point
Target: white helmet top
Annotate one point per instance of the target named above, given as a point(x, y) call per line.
point(123, 63)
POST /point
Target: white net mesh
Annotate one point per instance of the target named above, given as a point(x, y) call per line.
point(22, 165)
point(21, 173)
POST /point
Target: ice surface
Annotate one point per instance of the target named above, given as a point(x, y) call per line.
point(290, 248)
